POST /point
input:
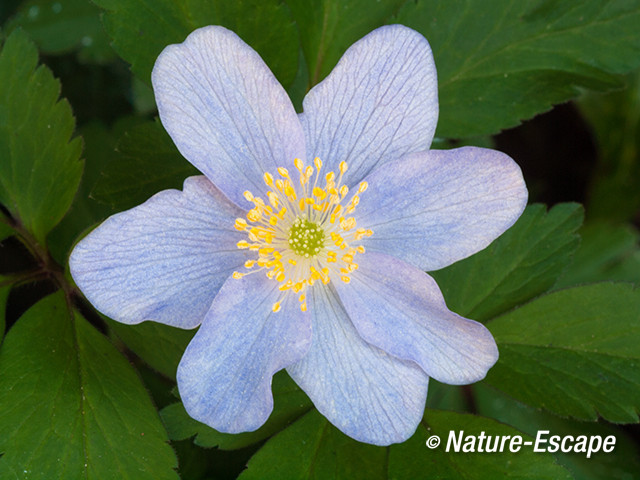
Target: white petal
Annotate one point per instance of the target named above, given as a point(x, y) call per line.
point(225, 375)
point(380, 102)
point(434, 208)
point(399, 308)
point(164, 260)
point(225, 111)
point(368, 394)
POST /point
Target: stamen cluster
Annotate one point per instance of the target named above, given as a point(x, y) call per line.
point(304, 232)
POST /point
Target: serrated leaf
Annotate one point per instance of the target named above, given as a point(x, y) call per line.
point(290, 403)
point(64, 25)
point(324, 452)
point(84, 211)
point(40, 168)
point(604, 252)
point(100, 149)
point(141, 30)
point(160, 346)
point(502, 64)
point(623, 462)
point(72, 406)
point(521, 264)
point(573, 352)
point(146, 162)
point(328, 27)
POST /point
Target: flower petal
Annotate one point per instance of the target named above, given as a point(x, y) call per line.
point(399, 308)
point(366, 393)
point(225, 374)
point(437, 207)
point(380, 102)
point(164, 260)
point(225, 111)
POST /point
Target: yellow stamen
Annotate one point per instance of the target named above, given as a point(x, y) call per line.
point(306, 231)
point(283, 172)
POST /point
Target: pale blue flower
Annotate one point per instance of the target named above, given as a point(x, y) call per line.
point(285, 265)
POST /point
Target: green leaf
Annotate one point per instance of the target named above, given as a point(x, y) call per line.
point(412, 459)
point(324, 452)
point(160, 346)
point(623, 462)
point(100, 149)
point(146, 162)
point(328, 27)
point(72, 406)
point(321, 452)
point(141, 30)
point(290, 403)
point(447, 397)
point(628, 270)
point(501, 64)
point(64, 25)
point(5, 229)
point(523, 263)
point(5, 289)
point(615, 119)
point(40, 168)
point(606, 252)
point(84, 211)
point(573, 352)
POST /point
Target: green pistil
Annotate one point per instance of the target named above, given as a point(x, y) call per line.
point(306, 238)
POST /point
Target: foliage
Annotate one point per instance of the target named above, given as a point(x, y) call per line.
point(82, 396)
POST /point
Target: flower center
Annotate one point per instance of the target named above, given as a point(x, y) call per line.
point(306, 238)
point(305, 233)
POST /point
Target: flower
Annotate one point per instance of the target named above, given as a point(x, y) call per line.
point(304, 245)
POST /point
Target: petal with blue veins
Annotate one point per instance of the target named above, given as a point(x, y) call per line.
point(164, 260)
point(399, 308)
point(368, 394)
point(379, 103)
point(434, 208)
point(224, 377)
point(225, 110)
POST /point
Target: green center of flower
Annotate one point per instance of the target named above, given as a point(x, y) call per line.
point(306, 238)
